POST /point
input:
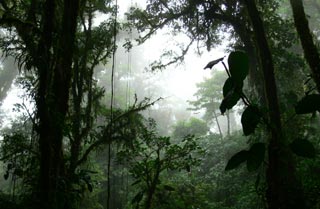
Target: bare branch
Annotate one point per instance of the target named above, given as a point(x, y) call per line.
point(158, 65)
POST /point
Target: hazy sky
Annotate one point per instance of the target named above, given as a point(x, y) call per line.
point(180, 80)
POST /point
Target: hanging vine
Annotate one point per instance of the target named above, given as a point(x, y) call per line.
point(112, 99)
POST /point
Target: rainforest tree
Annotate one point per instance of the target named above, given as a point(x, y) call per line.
point(58, 47)
point(47, 39)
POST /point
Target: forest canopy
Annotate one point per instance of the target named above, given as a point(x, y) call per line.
point(94, 131)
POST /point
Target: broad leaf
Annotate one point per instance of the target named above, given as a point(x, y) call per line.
point(237, 159)
point(238, 65)
point(303, 148)
point(213, 63)
point(223, 107)
point(227, 87)
point(308, 104)
point(230, 85)
point(229, 101)
point(250, 119)
point(255, 156)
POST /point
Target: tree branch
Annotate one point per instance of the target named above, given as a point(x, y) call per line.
point(309, 48)
point(158, 65)
point(107, 136)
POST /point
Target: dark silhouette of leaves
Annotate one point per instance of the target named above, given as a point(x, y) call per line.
point(237, 159)
point(303, 148)
point(213, 63)
point(238, 65)
point(256, 156)
point(250, 119)
point(229, 101)
point(308, 104)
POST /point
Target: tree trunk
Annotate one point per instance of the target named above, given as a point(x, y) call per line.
point(218, 124)
point(255, 75)
point(309, 48)
point(242, 29)
point(283, 191)
point(53, 96)
point(45, 142)
point(153, 186)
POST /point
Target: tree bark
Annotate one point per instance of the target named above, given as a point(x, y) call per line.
point(218, 124)
point(46, 158)
point(53, 96)
point(309, 48)
point(153, 183)
point(283, 190)
point(255, 74)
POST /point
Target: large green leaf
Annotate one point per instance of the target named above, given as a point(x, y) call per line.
point(255, 156)
point(308, 104)
point(250, 119)
point(303, 148)
point(237, 159)
point(238, 65)
point(229, 101)
point(227, 87)
point(230, 85)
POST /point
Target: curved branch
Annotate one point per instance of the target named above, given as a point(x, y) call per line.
point(159, 65)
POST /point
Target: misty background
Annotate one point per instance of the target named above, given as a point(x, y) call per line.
point(176, 84)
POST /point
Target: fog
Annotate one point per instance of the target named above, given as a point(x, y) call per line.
point(176, 84)
point(159, 104)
